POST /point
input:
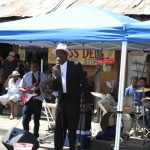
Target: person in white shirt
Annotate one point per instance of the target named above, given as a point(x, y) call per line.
point(13, 94)
point(33, 105)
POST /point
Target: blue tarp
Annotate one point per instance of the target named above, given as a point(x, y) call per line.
point(138, 32)
point(80, 24)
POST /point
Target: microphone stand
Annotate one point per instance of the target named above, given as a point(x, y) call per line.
point(144, 127)
point(80, 125)
point(80, 122)
point(96, 72)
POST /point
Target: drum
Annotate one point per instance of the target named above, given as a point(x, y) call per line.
point(107, 103)
point(128, 104)
point(126, 123)
point(109, 119)
point(146, 103)
point(138, 109)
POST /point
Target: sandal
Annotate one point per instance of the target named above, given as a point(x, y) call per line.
point(11, 117)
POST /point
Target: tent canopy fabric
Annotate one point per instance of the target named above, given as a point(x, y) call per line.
point(80, 24)
point(138, 32)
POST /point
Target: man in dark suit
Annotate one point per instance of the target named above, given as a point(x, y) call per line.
point(69, 81)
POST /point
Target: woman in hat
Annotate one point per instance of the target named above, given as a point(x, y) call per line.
point(13, 94)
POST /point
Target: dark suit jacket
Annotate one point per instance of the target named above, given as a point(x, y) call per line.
point(76, 83)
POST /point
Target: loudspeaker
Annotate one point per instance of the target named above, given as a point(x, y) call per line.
point(16, 135)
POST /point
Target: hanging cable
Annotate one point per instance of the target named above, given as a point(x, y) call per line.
point(137, 4)
point(53, 9)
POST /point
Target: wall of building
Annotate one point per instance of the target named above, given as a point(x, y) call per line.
point(105, 76)
point(136, 67)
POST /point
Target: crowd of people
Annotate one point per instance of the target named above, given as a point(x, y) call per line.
point(69, 82)
point(23, 84)
point(140, 91)
point(10, 77)
point(28, 85)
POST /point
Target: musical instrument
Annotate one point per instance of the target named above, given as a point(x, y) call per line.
point(146, 102)
point(127, 122)
point(138, 109)
point(128, 104)
point(145, 99)
point(107, 103)
point(99, 95)
point(143, 89)
point(109, 119)
point(26, 97)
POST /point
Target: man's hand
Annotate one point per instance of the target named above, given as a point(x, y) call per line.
point(55, 70)
point(30, 91)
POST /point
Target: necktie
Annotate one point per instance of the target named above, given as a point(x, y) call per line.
point(33, 79)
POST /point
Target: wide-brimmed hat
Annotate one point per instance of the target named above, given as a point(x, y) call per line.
point(12, 54)
point(15, 73)
point(61, 46)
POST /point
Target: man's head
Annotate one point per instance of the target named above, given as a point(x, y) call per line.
point(62, 52)
point(142, 81)
point(11, 56)
point(34, 66)
point(134, 81)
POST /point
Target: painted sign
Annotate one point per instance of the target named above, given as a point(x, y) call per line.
point(85, 57)
point(22, 54)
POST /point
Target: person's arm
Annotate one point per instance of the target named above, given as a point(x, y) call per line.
point(6, 84)
point(126, 93)
point(84, 86)
point(22, 87)
point(55, 72)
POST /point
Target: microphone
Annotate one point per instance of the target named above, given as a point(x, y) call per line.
point(58, 60)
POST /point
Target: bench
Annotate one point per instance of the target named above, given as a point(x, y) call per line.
point(18, 109)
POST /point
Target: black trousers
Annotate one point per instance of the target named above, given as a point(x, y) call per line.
point(32, 107)
point(67, 118)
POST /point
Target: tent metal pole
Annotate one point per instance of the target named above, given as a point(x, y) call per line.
point(97, 117)
point(42, 65)
point(120, 93)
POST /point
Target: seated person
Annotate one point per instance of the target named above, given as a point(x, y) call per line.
point(13, 94)
point(143, 84)
point(131, 91)
point(146, 103)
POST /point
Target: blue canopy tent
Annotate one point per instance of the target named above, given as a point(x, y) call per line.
point(80, 24)
point(138, 32)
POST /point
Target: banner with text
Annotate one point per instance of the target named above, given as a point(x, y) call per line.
point(22, 54)
point(85, 57)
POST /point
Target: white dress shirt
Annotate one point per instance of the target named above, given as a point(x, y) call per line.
point(27, 81)
point(63, 68)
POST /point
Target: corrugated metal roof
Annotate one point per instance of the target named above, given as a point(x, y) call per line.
point(138, 7)
point(23, 8)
